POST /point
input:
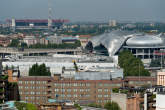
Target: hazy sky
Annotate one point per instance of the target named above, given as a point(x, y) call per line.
point(85, 10)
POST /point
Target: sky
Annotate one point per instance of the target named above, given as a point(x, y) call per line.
point(85, 10)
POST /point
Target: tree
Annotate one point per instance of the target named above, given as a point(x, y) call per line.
point(14, 43)
point(39, 70)
point(89, 46)
point(112, 106)
point(132, 66)
point(155, 63)
point(25, 106)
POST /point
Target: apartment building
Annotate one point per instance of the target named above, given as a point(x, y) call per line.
point(38, 90)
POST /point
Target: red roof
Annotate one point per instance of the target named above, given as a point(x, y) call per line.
point(88, 36)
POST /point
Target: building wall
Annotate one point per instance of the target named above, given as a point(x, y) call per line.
point(133, 102)
point(160, 102)
point(12, 78)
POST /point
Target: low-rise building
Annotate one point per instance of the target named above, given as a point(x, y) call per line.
point(30, 40)
point(4, 40)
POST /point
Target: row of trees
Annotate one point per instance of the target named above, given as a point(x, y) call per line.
point(17, 43)
point(39, 70)
point(132, 66)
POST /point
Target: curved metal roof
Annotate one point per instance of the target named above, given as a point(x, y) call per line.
point(145, 41)
point(114, 40)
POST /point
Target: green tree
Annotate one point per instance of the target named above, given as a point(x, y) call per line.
point(25, 106)
point(89, 46)
point(39, 70)
point(14, 43)
point(132, 66)
point(112, 106)
point(155, 63)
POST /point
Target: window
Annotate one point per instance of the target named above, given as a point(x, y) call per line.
point(99, 101)
point(68, 95)
point(75, 84)
point(75, 90)
point(99, 95)
point(68, 90)
point(20, 82)
point(62, 95)
point(87, 84)
point(100, 84)
point(81, 90)
point(87, 90)
point(106, 95)
point(106, 85)
point(99, 90)
point(62, 90)
point(56, 90)
point(105, 90)
point(75, 95)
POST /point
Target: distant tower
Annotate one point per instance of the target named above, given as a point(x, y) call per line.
point(49, 14)
point(13, 24)
point(112, 23)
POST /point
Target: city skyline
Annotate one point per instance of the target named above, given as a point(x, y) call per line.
point(78, 10)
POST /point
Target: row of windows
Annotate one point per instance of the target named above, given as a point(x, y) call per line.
point(101, 101)
point(33, 87)
point(69, 90)
point(32, 93)
point(104, 95)
point(32, 82)
point(35, 98)
point(71, 84)
point(75, 95)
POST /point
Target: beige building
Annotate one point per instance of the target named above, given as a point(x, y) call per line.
point(161, 78)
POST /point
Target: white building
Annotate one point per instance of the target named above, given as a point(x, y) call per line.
point(160, 101)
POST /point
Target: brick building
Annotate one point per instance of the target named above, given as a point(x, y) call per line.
point(38, 90)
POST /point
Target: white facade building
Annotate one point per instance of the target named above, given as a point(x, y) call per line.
point(160, 101)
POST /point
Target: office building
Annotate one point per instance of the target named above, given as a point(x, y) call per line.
point(39, 90)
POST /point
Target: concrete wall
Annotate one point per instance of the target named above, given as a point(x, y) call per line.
point(160, 104)
point(121, 99)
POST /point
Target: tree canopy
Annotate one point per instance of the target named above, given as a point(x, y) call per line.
point(132, 66)
point(39, 70)
point(14, 43)
point(112, 106)
point(25, 106)
point(89, 46)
